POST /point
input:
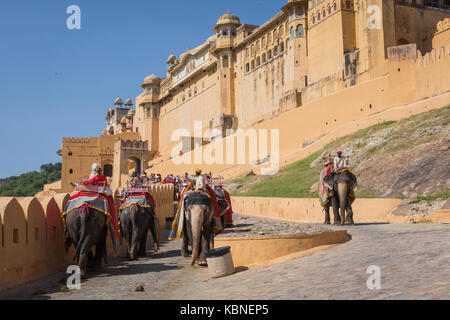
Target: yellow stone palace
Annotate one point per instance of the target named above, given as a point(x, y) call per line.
point(312, 68)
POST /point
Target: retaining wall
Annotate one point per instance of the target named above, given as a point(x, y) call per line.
point(310, 210)
point(32, 235)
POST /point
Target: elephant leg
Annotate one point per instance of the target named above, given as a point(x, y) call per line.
point(99, 253)
point(154, 233)
point(349, 218)
point(336, 216)
point(134, 244)
point(327, 214)
point(185, 244)
point(143, 244)
point(207, 236)
point(84, 252)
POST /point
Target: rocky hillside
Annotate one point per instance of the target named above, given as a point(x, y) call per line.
point(406, 159)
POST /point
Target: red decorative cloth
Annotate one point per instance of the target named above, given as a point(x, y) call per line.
point(212, 194)
point(96, 181)
point(229, 213)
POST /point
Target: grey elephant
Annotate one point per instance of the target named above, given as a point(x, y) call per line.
point(87, 228)
point(198, 227)
point(135, 222)
point(342, 185)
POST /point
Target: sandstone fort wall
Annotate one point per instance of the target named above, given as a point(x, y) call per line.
point(32, 235)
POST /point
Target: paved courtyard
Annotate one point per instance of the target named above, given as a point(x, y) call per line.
point(414, 260)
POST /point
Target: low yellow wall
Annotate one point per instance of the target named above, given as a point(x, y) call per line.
point(255, 251)
point(32, 237)
point(310, 210)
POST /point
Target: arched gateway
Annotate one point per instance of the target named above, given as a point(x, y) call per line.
point(124, 152)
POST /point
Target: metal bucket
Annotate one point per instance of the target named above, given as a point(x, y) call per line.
point(220, 262)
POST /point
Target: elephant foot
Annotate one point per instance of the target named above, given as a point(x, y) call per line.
point(202, 263)
point(185, 252)
point(156, 247)
point(83, 274)
point(327, 222)
point(337, 223)
point(351, 222)
point(97, 269)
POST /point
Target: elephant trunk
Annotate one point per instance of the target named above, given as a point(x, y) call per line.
point(197, 217)
point(343, 193)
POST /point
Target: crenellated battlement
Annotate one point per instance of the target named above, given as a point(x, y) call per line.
point(76, 140)
point(134, 144)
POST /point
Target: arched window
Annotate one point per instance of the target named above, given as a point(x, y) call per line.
point(299, 11)
point(269, 54)
point(253, 64)
point(292, 33)
point(324, 14)
point(329, 10)
point(70, 153)
point(318, 16)
point(313, 19)
point(300, 31)
point(225, 62)
point(334, 6)
point(275, 51)
point(347, 4)
point(247, 67)
point(264, 58)
point(281, 47)
point(258, 61)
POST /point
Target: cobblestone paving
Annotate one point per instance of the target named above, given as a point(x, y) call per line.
point(414, 261)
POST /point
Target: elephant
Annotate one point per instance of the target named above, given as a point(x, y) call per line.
point(342, 185)
point(223, 204)
point(135, 221)
point(198, 227)
point(87, 228)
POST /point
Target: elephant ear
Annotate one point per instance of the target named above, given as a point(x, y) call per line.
point(328, 179)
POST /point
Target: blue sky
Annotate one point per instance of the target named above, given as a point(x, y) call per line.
point(57, 83)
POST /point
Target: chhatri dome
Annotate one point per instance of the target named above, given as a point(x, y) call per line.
point(129, 103)
point(152, 80)
point(118, 102)
point(227, 19)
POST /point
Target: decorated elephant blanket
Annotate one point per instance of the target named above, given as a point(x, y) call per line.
point(100, 203)
point(144, 200)
point(177, 225)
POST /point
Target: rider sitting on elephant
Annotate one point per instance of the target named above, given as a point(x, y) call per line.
point(339, 162)
point(98, 179)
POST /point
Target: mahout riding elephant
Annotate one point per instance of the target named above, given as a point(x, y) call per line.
point(87, 228)
point(198, 227)
point(135, 221)
point(342, 185)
